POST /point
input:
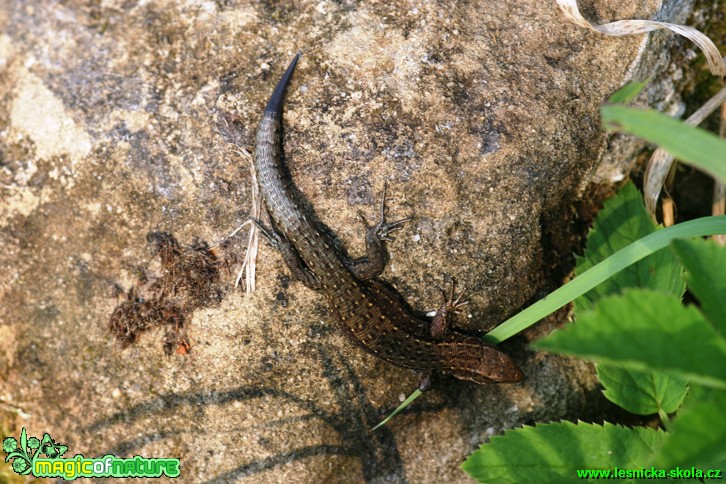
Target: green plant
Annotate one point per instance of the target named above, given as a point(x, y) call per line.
point(591, 278)
point(654, 354)
point(648, 346)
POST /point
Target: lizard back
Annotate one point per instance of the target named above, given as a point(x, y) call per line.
point(372, 315)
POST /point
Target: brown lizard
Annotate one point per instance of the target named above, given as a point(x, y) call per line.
point(370, 313)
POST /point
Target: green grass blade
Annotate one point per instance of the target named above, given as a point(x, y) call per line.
point(692, 146)
point(597, 274)
point(628, 92)
point(406, 403)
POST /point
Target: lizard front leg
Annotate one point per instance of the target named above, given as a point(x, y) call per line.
point(450, 304)
point(440, 326)
point(376, 254)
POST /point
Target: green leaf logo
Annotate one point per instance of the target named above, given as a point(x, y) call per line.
point(23, 453)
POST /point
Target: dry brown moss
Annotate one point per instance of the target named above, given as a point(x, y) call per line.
point(190, 280)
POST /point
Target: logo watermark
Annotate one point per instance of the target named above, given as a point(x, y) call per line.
point(44, 458)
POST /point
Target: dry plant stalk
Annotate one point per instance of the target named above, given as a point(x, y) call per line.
point(719, 189)
point(661, 162)
point(249, 265)
point(632, 27)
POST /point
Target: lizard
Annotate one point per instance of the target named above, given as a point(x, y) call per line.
point(369, 312)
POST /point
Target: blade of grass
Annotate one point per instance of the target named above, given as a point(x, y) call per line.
point(406, 403)
point(628, 92)
point(693, 146)
point(630, 254)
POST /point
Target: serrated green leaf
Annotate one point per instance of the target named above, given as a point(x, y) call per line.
point(642, 392)
point(622, 221)
point(627, 93)
point(693, 146)
point(698, 436)
point(555, 452)
point(646, 330)
point(706, 264)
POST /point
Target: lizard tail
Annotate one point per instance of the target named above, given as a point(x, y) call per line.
point(274, 105)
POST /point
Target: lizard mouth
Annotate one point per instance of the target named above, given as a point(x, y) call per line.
point(505, 371)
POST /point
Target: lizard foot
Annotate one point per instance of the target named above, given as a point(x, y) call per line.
point(425, 377)
point(451, 304)
point(270, 234)
point(376, 254)
point(383, 228)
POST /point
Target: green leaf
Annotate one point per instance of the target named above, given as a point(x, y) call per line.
point(644, 330)
point(692, 146)
point(628, 92)
point(706, 264)
point(642, 392)
point(555, 452)
point(698, 436)
point(622, 221)
point(24, 442)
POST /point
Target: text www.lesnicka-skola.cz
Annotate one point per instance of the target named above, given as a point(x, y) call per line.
point(649, 473)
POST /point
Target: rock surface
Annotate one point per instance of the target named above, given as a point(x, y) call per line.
point(120, 118)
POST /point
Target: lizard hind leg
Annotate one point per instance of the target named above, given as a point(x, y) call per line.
point(290, 255)
point(425, 379)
